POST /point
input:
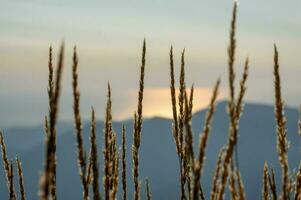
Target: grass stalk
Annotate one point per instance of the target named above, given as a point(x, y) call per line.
point(265, 183)
point(148, 192)
point(216, 175)
point(49, 184)
point(21, 180)
point(81, 155)
point(282, 144)
point(241, 188)
point(272, 184)
point(176, 119)
point(138, 128)
point(199, 165)
point(124, 185)
point(107, 146)
point(298, 184)
point(12, 192)
point(232, 184)
point(50, 77)
point(94, 158)
point(7, 167)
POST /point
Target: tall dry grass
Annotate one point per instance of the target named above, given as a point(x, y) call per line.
point(12, 192)
point(48, 179)
point(107, 147)
point(282, 144)
point(124, 185)
point(226, 176)
point(81, 154)
point(176, 130)
point(298, 184)
point(94, 158)
point(272, 184)
point(265, 183)
point(216, 175)
point(199, 162)
point(148, 192)
point(21, 179)
point(8, 167)
point(111, 154)
point(138, 128)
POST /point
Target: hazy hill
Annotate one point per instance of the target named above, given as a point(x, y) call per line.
point(257, 143)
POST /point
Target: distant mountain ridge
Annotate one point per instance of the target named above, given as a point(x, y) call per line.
point(256, 144)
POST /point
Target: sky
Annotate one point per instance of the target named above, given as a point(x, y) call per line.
point(109, 36)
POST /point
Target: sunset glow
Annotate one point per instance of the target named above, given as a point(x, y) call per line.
point(157, 101)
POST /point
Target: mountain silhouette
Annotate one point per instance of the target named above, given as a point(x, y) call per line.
point(158, 159)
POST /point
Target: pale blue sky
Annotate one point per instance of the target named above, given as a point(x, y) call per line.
point(109, 36)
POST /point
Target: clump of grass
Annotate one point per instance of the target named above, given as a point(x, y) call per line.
point(199, 163)
point(234, 107)
point(190, 169)
point(182, 125)
point(231, 106)
point(48, 184)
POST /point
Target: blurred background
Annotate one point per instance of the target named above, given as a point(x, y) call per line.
point(109, 35)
